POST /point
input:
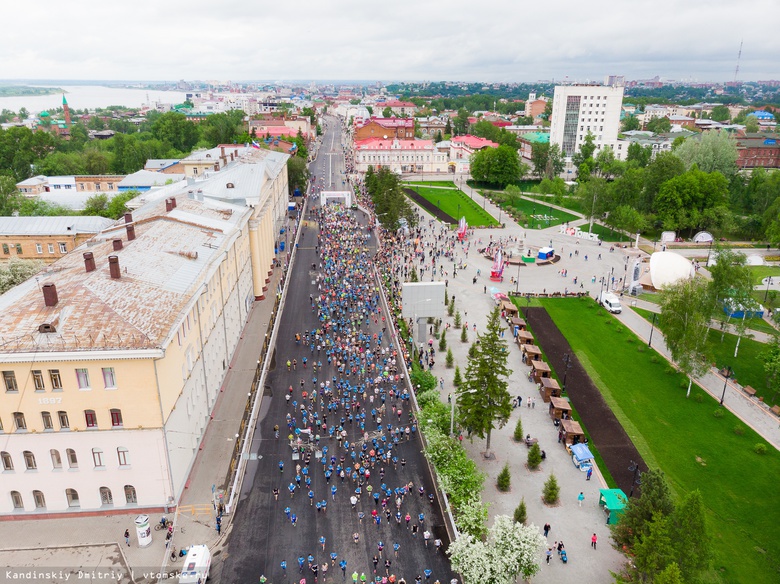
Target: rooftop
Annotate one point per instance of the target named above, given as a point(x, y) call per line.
point(66, 225)
point(383, 144)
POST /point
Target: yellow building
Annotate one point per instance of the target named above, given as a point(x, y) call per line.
point(46, 238)
point(112, 358)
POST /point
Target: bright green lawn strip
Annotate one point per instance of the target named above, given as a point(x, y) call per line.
point(748, 367)
point(607, 234)
point(449, 201)
point(611, 483)
point(650, 297)
point(433, 183)
point(540, 209)
point(761, 272)
point(694, 448)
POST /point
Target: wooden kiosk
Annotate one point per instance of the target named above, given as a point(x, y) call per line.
point(531, 352)
point(549, 389)
point(509, 309)
point(524, 338)
point(518, 322)
point(559, 408)
point(572, 432)
point(539, 370)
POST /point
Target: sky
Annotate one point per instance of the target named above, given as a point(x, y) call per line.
point(412, 40)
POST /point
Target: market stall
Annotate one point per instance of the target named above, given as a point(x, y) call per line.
point(531, 353)
point(571, 432)
point(549, 388)
point(539, 370)
point(559, 407)
point(524, 338)
point(614, 502)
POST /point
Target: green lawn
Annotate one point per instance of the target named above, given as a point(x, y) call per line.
point(761, 272)
point(433, 183)
point(607, 234)
point(540, 215)
point(694, 448)
point(457, 204)
point(747, 366)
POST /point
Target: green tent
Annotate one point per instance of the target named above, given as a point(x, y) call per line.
point(614, 502)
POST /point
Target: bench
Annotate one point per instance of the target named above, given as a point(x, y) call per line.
point(775, 410)
point(749, 390)
point(531, 441)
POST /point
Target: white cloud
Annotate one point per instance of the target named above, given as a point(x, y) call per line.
point(506, 40)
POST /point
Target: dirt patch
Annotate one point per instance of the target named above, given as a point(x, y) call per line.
point(430, 207)
point(608, 436)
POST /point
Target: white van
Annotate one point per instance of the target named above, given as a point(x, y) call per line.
point(610, 302)
point(196, 567)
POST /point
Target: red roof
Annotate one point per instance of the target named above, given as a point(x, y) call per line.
point(501, 123)
point(473, 142)
point(388, 122)
point(382, 144)
point(395, 103)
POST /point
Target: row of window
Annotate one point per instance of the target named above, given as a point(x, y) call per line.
point(72, 495)
point(98, 459)
point(55, 378)
point(38, 248)
point(90, 419)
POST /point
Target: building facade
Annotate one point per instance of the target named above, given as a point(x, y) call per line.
point(385, 128)
point(46, 238)
point(400, 156)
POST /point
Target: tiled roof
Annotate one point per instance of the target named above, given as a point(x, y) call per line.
point(66, 225)
point(381, 144)
point(473, 142)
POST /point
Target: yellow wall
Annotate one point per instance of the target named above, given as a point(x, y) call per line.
point(30, 252)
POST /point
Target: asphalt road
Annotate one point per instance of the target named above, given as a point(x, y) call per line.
point(262, 536)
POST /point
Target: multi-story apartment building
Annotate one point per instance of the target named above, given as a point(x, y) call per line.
point(582, 109)
point(112, 358)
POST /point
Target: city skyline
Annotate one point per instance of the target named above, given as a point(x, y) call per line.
point(349, 41)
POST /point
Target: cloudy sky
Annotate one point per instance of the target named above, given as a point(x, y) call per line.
point(499, 40)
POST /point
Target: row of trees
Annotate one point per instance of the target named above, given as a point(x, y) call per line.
point(387, 195)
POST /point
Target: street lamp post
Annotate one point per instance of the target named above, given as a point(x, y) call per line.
point(768, 282)
point(517, 280)
point(652, 327)
point(567, 362)
point(729, 372)
point(634, 468)
point(708, 253)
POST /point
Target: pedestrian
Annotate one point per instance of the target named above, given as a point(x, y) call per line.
point(580, 498)
point(533, 403)
point(548, 555)
point(590, 472)
point(593, 541)
point(356, 537)
point(219, 525)
point(546, 529)
point(127, 536)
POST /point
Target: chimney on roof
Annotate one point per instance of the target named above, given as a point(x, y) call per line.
point(89, 261)
point(130, 232)
point(128, 217)
point(117, 244)
point(168, 206)
point(50, 295)
point(113, 266)
point(173, 202)
point(222, 151)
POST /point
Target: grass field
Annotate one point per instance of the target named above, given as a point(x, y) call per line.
point(540, 215)
point(761, 272)
point(696, 449)
point(456, 204)
point(433, 183)
point(747, 366)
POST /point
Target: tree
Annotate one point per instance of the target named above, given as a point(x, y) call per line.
point(177, 130)
point(117, 206)
point(511, 550)
point(656, 498)
point(223, 128)
point(484, 398)
point(15, 271)
point(654, 551)
point(448, 128)
point(443, 340)
point(720, 113)
point(711, 151)
point(96, 205)
point(496, 166)
point(685, 322)
point(670, 575)
point(751, 125)
point(464, 335)
point(390, 202)
point(10, 199)
point(521, 513)
point(693, 200)
point(457, 379)
point(534, 457)
point(770, 356)
point(551, 491)
point(732, 282)
point(641, 155)
point(450, 359)
point(297, 174)
point(504, 479)
point(518, 433)
point(662, 168)
point(692, 541)
point(629, 123)
point(472, 517)
point(659, 125)
point(458, 322)
point(387, 112)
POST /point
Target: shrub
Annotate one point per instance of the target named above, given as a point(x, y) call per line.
point(450, 359)
point(464, 335)
point(457, 380)
point(670, 370)
point(654, 359)
point(521, 515)
point(442, 341)
point(608, 321)
point(504, 479)
point(451, 308)
point(473, 351)
point(551, 491)
point(630, 340)
point(760, 448)
point(718, 413)
point(619, 329)
point(534, 457)
point(641, 348)
point(739, 430)
point(518, 433)
point(698, 398)
point(458, 320)
point(446, 297)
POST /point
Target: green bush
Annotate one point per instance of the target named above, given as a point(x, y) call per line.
point(630, 340)
point(534, 457)
point(518, 433)
point(698, 397)
point(451, 308)
point(450, 359)
point(457, 380)
point(473, 351)
point(551, 491)
point(619, 329)
point(442, 341)
point(654, 359)
point(446, 298)
point(739, 430)
point(521, 514)
point(718, 413)
point(760, 448)
point(504, 479)
point(464, 335)
point(458, 320)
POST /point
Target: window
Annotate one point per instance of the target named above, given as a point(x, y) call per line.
point(38, 381)
point(56, 380)
point(73, 461)
point(9, 377)
point(56, 461)
point(19, 248)
point(106, 498)
point(130, 495)
point(16, 497)
point(73, 497)
point(63, 247)
point(19, 421)
point(47, 421)
point(116, 418)
point(109, 378)
point(97, 457)
point(90, 418)
point(82, 377)
point(29, 460)
point(40, 500)
point(8, 462)
point(63, 419)
point(38, 248)
point(6, 251)
point(50, 247)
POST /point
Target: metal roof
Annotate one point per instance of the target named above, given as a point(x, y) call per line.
point(65, 225)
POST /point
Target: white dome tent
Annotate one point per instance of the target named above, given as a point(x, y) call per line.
point(664, 269)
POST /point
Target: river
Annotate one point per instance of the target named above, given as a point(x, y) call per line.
point(90, 97)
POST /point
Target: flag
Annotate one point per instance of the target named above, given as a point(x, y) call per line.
point(255, 144)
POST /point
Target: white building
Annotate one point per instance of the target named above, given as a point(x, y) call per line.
point(582, 109)
point(400, 156)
